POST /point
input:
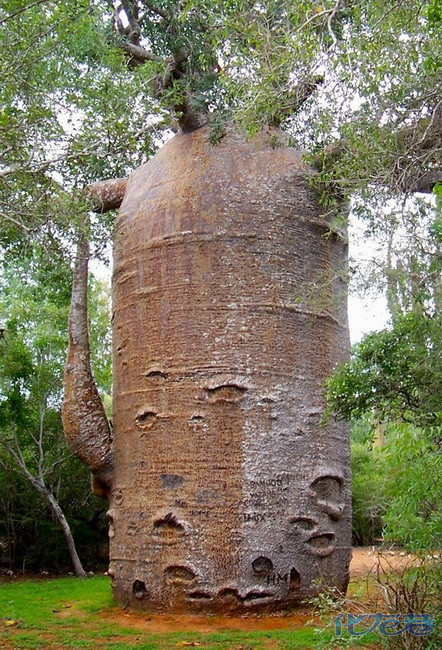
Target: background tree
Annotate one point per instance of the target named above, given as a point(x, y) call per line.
point(34, 304)
point(394, 380)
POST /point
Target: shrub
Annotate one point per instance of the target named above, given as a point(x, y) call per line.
point(369, 499)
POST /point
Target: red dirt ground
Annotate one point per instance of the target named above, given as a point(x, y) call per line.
point(365, 562)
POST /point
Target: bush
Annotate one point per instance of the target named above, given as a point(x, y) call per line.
point(415, 589)
point(413, 465)
point(368, 500)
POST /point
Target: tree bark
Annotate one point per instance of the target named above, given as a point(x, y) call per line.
point(59, 515)
point(107, 195)
point(229, 301)
point(85, 424)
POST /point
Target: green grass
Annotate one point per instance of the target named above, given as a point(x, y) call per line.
point(70, 613)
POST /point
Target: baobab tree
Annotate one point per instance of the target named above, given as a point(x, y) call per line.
point(226, 491)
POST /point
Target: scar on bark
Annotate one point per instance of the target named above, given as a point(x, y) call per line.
point(85, 424)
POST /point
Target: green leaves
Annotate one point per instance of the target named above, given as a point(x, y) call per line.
point(434, 13)
point(395, 374)
point(414, 488)
point(71, 114)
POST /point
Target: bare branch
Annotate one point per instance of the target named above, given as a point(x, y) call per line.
point(40, 443)
point(297, 99)
point(157, 10)
point(318, 14)
point(19, 225)
point(14, 455)
point(433, 125)
point(56, 463)
point(16, 452)
point(331, 17)
point(138, 54)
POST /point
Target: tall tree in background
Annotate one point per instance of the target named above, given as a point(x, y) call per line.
point(30, 384)
point(34, 302)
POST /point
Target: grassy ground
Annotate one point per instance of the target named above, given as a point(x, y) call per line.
point(72, 613)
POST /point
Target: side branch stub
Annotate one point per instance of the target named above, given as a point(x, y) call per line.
point(107, 195)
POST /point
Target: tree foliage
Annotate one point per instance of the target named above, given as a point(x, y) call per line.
point(393, 381)
point(65, 121)
point(395, 374)
point(413, 486)
point(38, 473)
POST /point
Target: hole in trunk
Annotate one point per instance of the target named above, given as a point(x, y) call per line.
point(262, 564)
point(146, 419)
point(295, 579)
point(229, 593)
point(322, 544)
point(256, 595)
point(303, 523)
point(156, 374)
point(169, 522)
point(196, 418)
point(199, 595)
point(327, 488)
point(139, 589)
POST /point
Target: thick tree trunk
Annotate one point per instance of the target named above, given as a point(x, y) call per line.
point(229, 303)
point(85, 423)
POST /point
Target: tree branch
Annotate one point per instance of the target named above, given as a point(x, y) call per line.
point(413, 162)
point(433, 126)
point(56, 463)
point(18, 224)
point(426, 182)
point(163, 13)
point(40, 444)
point(35, 167)
point(22, 10)
point(84, 420)
point(137, 53)
point(133, 31)
point(45, 164)
point(297, 99)
point(107, 195)
point(331, 17)
point(316, 15)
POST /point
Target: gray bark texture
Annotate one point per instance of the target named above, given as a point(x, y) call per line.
point(85, 424)
point(230, 311)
